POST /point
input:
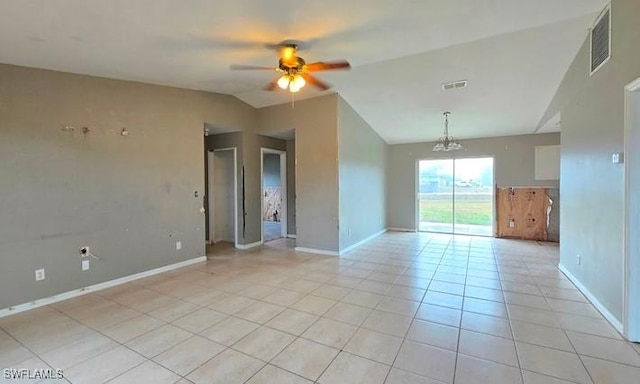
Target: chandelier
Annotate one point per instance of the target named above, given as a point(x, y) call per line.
point(447, 143)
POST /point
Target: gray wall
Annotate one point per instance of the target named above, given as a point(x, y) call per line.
point(128, 198)
point(248, 143)
point(315, 124)
point(252, 143)
point(362, 174)
point(592, 110)
point(271, 170)
point(514, 162)
point(291, 187)
point(220, 141)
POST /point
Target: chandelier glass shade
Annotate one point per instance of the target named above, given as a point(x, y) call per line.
point(447, 143)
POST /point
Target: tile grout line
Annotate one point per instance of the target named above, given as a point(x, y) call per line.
point(534, 265)
point(455, 366)
point(564, 331)
point(404, 338)
point(30, 351)
point(513, 336)
point(145, 359)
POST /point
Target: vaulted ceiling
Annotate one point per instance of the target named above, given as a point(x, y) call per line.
point(513, 53)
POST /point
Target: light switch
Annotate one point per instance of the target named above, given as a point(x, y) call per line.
point(617, 158)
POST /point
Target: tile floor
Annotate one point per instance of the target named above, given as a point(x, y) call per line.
point(404, 308)
point(272, 230)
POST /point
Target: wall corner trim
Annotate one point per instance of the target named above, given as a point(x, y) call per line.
point(317, 251)
point(292, 236)
point(361, 242)
point(394, 229)
point(97, 287)
point(601, 308)
point(249, 246)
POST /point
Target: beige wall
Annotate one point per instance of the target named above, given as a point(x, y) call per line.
point(128, 198)
point(592, 110)
point(514, 162)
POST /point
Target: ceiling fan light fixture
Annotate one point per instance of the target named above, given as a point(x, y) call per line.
point(288, 53)
point(298, 81)
point(291, 82)
point(447, 143)
point(284, 81)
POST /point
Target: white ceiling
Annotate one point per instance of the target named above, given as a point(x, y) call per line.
point(513, 52)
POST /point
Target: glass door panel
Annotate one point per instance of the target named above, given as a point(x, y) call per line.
point(473, 196)
point(435, 195)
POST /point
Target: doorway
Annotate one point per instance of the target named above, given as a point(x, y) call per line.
point(631, 277)
point(456, 196)
point(223, 192)
point(273, 174)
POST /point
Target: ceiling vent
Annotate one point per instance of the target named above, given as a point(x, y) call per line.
point(454, 85)
point(601, 40)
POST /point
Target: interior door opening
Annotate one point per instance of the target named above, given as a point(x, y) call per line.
point(274, 194)
point(456, 196)
point(222, 199)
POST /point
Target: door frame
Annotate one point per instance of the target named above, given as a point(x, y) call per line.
point(283, 190)
point(453, 193)
point(210, 198)
point(631, 224)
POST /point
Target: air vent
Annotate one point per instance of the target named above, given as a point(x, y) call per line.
point(601, 40)
point(454, 85)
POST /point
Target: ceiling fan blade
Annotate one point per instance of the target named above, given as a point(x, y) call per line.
point(328, 65)
point(271, 87)
point(239, 67)
point(315, 82)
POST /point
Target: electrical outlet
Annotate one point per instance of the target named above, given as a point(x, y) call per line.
point(85, 265)
point(349, 231)
point(579, 259)
point(178, 245)
point(39, 274)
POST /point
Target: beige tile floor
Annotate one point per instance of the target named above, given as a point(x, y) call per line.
point(404, 308)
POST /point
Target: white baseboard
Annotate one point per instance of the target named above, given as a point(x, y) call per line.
point(289, 235)
point(97, 287)
point(249, 246)
point(359, 243)
point(395, 229)
point(601, 308)
point(316, 251)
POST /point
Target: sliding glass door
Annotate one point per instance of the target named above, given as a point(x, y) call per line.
point(456, 196)
point(435, 196)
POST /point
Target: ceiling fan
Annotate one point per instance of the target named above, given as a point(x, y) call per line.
point(296, 73)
